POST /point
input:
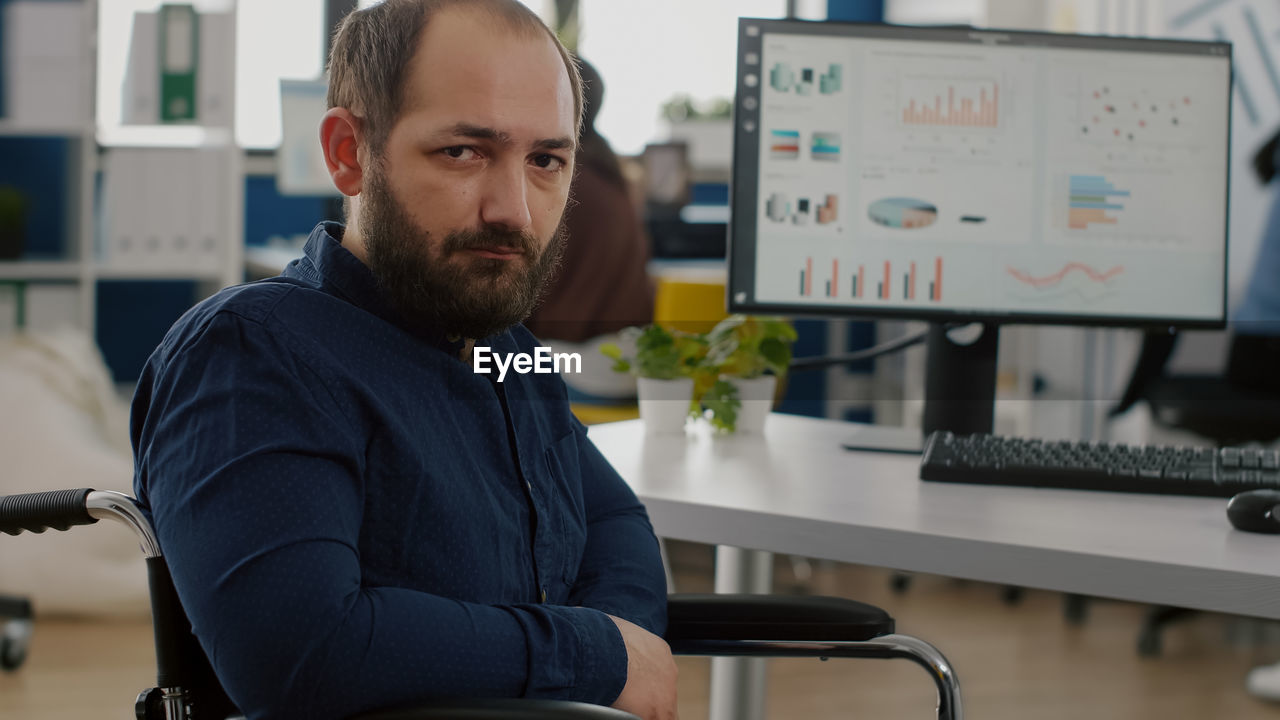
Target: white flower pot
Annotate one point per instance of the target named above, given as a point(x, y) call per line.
point(757, 400)
point(664, 404)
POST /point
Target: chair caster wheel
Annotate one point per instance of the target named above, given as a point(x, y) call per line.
point(13, 644)
point(899, 583)
point(1075, 608)
point(1149, 645)
point(1011, 595)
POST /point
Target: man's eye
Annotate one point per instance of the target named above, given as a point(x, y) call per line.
point(548, 162)
point(459, 152)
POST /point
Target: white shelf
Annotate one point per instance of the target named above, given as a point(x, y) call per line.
point(40, 270)
point(172, 136)
point(95, 153)
point(11, 129)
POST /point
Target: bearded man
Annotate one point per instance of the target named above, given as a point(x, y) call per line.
point(354, 517)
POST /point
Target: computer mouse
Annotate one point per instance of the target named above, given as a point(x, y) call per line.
point(1255, 511)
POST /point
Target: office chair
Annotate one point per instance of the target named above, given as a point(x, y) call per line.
point(1237, 407)
point(1231, 408)
point(740, 625)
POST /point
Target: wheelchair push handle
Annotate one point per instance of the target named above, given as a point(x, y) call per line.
point(37, 512)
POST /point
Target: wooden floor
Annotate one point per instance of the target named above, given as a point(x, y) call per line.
point(1014, 661)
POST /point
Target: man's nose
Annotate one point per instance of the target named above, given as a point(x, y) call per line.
point(506, 203)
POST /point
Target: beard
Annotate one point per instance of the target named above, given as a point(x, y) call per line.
point(447, 290)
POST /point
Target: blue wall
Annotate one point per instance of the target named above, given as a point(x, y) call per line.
point(267, 212)
point(38, 167)
point(133, 317)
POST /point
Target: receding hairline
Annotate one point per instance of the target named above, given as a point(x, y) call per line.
point(524, 27)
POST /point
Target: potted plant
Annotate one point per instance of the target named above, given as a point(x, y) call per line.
point(750, 354)
point(13, 210)
point(665, 363)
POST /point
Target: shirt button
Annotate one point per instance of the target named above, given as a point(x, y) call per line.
point(544, 595)
point(529, 485)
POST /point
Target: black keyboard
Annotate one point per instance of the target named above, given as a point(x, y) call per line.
point(1165, 470)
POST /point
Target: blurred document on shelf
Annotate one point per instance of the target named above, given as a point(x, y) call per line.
point(179, 33)
point(165, 211)
point(180, 69)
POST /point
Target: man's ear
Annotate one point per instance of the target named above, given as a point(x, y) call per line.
point(340, 140)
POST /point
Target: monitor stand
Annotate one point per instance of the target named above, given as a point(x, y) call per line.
point(959, 390)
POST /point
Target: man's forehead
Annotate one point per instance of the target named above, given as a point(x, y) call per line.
point(511, 80)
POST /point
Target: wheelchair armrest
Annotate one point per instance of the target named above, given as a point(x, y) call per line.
point(504, 709)
point(39, 511)
point(692, 618)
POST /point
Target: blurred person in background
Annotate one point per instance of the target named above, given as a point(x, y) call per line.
point(602, 285)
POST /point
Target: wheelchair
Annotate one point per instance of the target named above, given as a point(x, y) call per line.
point(698, 624)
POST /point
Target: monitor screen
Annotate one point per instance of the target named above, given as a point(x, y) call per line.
point(960, 174)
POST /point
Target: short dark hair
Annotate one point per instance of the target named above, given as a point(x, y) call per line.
point(372, 48)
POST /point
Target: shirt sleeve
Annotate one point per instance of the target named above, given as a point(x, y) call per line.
point(253, 478)
point(621, 571)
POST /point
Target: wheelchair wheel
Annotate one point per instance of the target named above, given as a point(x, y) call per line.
point(13, 644)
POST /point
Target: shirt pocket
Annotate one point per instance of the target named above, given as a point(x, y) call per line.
point(566, 504)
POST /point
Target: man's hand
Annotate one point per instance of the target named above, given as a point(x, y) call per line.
point(650, 691)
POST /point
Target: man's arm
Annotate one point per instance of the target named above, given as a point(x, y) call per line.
point(621, 571)
point(253, 477)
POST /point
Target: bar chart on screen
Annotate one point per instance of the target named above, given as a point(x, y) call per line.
point(1120, 207)
point(941, 102)
point(888, 280)
point(1093, 200)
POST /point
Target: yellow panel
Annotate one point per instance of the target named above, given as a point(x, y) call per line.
point(595, 414)
point(689, 306)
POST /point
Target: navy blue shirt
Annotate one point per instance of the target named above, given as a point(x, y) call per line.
point(355, 519)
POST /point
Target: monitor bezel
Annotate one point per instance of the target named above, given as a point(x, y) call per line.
point(746, 148)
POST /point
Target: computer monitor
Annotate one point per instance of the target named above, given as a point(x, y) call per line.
point(965, 175)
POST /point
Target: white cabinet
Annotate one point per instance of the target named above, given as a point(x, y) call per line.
point(143, 202)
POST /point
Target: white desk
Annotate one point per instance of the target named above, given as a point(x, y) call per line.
point(797, 491)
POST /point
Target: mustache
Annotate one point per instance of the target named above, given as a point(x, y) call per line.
point(488, 239)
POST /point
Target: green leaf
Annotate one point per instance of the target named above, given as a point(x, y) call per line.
point(723, 402)
point(777, 354)
point(780, 329)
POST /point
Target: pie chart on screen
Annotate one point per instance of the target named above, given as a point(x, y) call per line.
point(901, 212)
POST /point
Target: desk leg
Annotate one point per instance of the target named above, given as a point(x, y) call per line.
point(737, 684)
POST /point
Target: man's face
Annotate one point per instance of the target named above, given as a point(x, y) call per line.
point(461, 212)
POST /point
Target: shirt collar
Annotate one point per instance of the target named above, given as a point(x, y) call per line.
point(329, 266)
